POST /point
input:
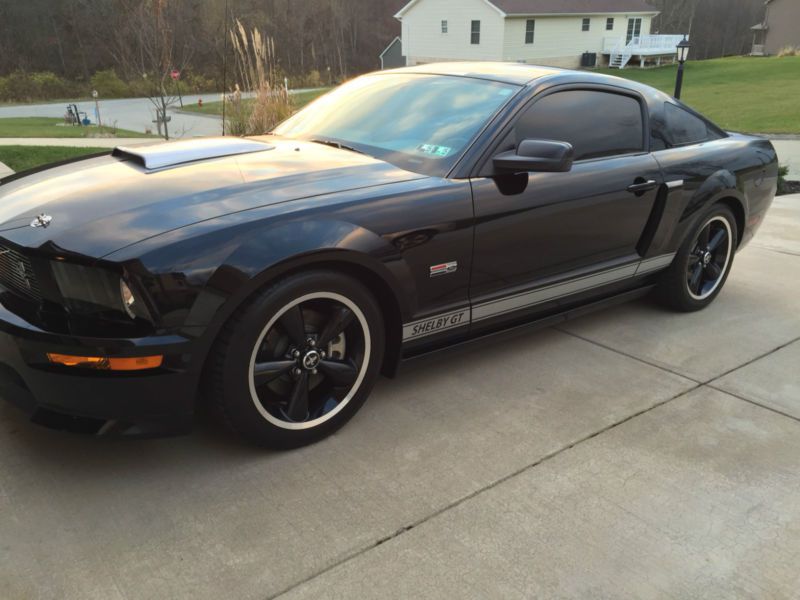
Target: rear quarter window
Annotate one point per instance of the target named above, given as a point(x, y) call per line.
point(683, 127)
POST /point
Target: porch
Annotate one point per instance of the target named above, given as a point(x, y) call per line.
point(759, 39)
point(644, 47)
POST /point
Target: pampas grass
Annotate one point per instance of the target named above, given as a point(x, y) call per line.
point(257, 72)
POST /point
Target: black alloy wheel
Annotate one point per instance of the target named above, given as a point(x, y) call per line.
point(309, 360)
point(703, 262)
point(299, 359)
point(708, 261)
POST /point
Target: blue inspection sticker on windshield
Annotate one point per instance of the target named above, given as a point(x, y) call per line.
point(434, 150)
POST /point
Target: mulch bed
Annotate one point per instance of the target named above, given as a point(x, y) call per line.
point(789, 187)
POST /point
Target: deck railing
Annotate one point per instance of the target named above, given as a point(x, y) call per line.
point(643, 45)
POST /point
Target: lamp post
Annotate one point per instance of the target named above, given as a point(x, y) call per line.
point(683, 52)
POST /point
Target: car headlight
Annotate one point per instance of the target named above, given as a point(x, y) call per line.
point(91, 290)
point(128, 299)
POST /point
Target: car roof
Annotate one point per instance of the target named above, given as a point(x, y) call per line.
point(524, 74)
point(516, 73)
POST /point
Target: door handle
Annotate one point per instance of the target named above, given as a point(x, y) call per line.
point(642, 187)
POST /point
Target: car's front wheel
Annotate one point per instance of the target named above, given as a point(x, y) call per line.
point(703, 262)
point(299, 359)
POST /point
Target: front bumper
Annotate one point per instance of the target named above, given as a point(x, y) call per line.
point(142, 403)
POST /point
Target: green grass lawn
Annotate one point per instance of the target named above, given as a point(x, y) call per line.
point(748, 94)
point(22, 158)
point(43, 127)
point(215, 108)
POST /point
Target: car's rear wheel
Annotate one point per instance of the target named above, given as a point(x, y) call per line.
point(701, 266)
point(299, 360)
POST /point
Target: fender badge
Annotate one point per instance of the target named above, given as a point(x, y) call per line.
point(42, 220)
point(444, 269)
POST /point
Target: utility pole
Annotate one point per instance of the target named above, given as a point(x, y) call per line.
point(224, 65)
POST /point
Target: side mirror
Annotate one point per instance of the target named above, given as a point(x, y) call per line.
point(544, 156)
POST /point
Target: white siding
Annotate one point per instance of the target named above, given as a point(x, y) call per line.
point(423, 40)
point(559, 41)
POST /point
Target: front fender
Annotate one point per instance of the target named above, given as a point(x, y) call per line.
point(198, 282)
point(287, 246)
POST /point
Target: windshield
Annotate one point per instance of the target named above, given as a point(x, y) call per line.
point(422, 123)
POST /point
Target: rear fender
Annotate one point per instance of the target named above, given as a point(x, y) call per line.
point(685, 207)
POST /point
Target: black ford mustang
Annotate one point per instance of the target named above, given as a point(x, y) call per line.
point(401, 213)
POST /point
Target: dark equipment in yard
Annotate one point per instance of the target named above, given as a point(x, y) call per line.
point(589, 59)
point(75, 117)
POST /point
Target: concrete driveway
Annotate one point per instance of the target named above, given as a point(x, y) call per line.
point(632, 453)
point(789, 155)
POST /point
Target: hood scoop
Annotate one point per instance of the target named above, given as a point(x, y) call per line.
point(170, 154)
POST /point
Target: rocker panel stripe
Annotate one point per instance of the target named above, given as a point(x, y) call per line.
point(501, 306)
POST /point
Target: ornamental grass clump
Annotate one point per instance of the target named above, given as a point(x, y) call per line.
point(257, 73)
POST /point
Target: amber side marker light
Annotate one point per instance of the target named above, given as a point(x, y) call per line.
point(105, 363)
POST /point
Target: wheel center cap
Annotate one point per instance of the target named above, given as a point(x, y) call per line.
point(311, 360)
point(706, 258)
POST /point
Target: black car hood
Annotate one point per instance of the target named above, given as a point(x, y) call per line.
point(101, 205)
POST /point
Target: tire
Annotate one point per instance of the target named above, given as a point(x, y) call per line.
point(298, 360)
point(703, 262)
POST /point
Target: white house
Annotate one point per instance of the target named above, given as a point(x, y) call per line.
point(546, 32)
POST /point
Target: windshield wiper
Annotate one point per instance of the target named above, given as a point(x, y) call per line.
point(335, 144)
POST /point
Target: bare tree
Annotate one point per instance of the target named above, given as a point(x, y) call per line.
point(148, 51)
point(716, 27)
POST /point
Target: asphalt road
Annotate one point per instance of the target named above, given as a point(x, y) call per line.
point(133, 114)
point(631, 453)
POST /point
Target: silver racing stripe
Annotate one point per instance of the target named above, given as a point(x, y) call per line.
point(655, 263)
point(551, 292)
point(508, 304)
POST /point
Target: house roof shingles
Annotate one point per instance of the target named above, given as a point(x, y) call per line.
point(561, 7)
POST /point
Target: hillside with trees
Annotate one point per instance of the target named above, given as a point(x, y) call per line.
point(717, 27)
point(65, 48)
point(72, 40)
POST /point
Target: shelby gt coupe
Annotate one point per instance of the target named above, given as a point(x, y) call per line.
point(404, 212)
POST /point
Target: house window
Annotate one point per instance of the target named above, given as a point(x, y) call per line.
point(475, 37)
point(530, 28)
point(585, 25)
point(609, 23)
point(444, 26)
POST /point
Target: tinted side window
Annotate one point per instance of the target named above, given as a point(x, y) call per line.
point(595, 123)
point(685, 128)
